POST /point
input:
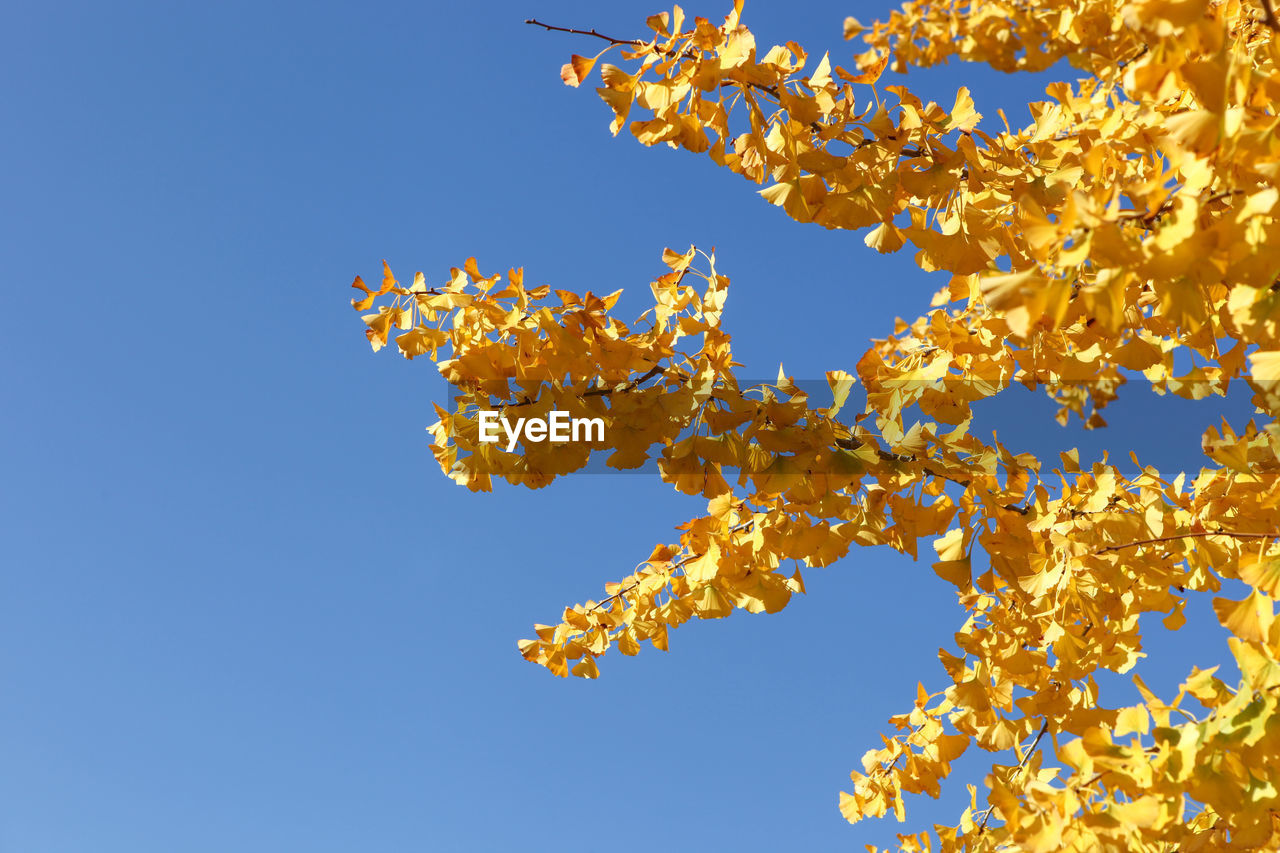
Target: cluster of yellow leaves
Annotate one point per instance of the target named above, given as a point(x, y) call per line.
point(1135, 200)
point(510, 350)
point(1133, 221)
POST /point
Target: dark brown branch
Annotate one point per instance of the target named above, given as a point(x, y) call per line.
point(876, 140)
point(1269, 15)
point(596, 392)
point(1196, 535)
point(1034, 744)
point(1224, 194)
point(762, 87)
point(964, 484)
point(889, 456)
point(610, 39)
point(1146, 220)
point(591, 32)
point(1124, 63)
point(630, 386)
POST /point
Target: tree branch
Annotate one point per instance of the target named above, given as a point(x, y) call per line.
point(679, 563)
point(910, 153)
point(630, 386)
point(591, 32)
point(595, 392)
point(610, 39)
point(1269, 13)
point(1196, 535)
point(1021, 764)
point(1141, 53)
point(1044, 728)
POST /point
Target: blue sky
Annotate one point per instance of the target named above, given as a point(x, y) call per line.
point(241, 607)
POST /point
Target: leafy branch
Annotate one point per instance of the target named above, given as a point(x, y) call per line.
point(591, 32)
point(982, 827)
point(683, 561)
point(1195, 535)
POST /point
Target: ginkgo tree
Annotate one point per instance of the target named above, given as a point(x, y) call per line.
point(1130, 230)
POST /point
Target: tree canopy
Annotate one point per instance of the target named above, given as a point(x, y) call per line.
point(1130, 231)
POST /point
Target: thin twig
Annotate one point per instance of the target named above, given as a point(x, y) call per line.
point(591, 32)
point(877, 140)
point(1093, 779)
point(1044, 728)
point(689, 559)
point(761, 86)
point(910, 153)
point(1196, 535)
point(1021, 764)
point(596, 392)
point(610, 39)
point(1146, 218)
point(630, 386)
point(1141, 53)
point(889, 456)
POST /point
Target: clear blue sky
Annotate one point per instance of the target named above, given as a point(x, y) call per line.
point(242, 609)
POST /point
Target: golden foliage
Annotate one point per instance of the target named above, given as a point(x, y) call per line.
point(1135, 219)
